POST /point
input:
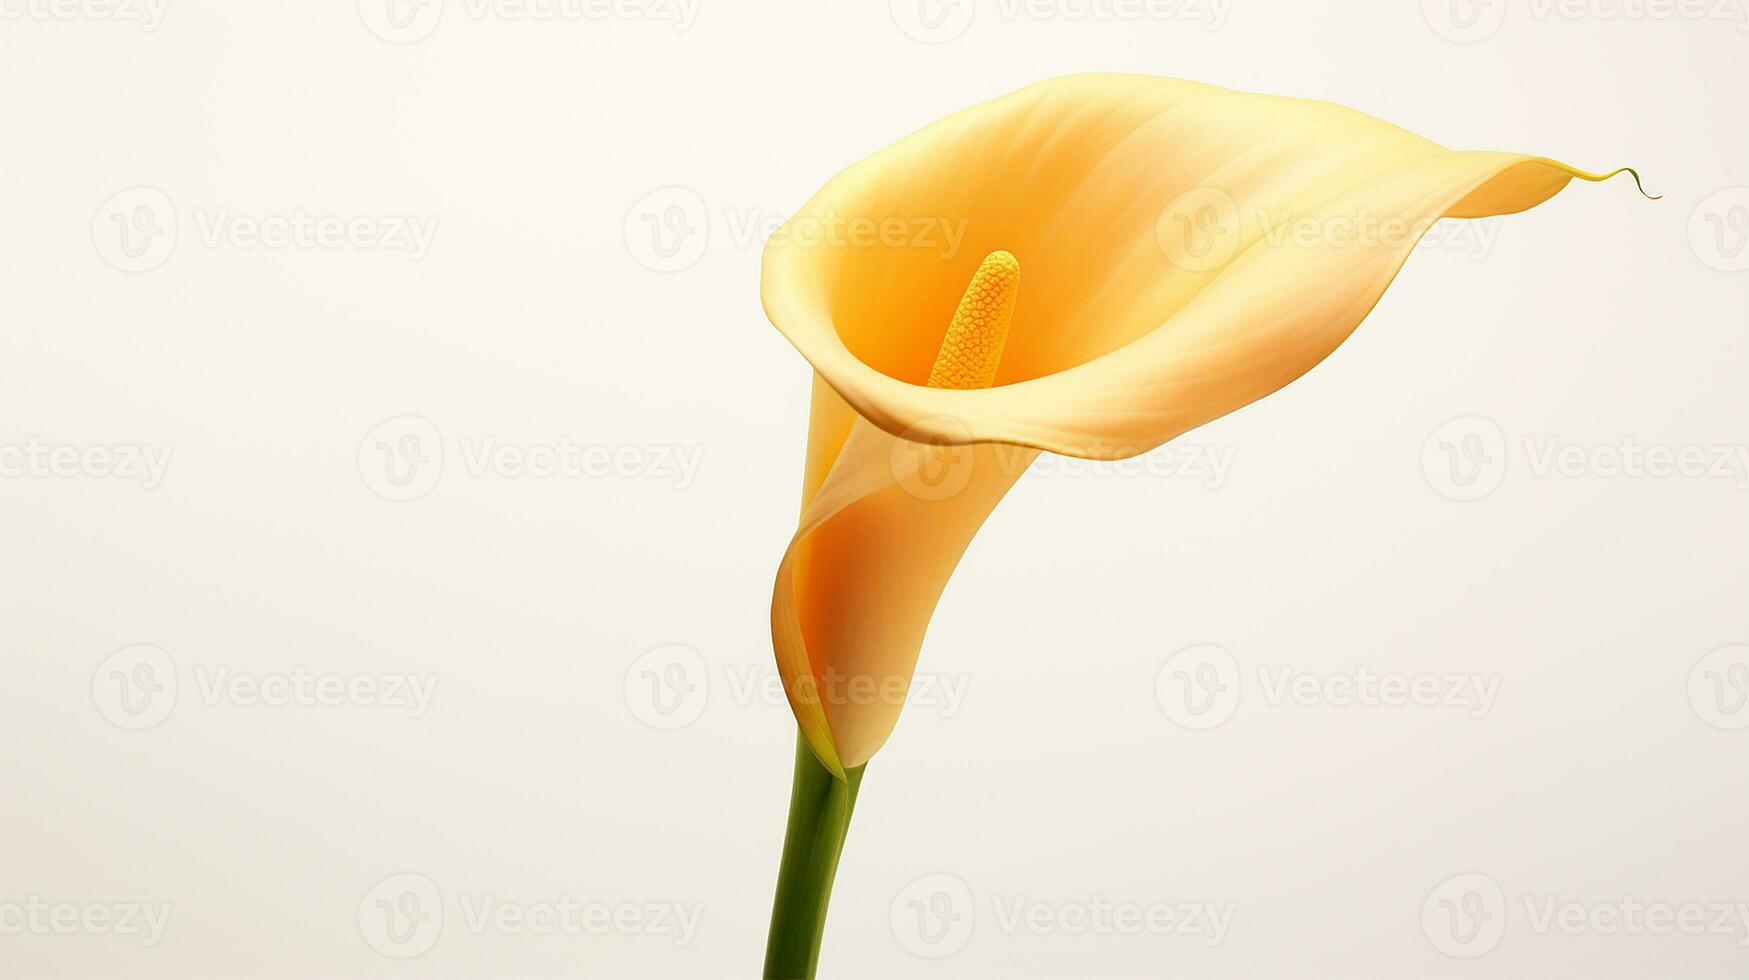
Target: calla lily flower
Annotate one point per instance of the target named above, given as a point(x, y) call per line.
point(1187, 250)
point(1092, 266)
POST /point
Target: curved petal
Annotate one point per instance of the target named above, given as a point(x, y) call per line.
point(877, 542)
point(1164, 225)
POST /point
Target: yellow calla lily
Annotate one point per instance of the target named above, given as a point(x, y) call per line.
point(1186, 251)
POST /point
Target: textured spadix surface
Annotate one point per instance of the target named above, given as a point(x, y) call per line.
point(1187, 250)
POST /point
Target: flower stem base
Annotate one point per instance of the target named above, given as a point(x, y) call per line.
point(819, 816)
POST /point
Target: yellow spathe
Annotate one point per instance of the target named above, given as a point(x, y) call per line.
point(1188, 250)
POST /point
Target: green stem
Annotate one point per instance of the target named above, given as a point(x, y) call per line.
point(819, 816)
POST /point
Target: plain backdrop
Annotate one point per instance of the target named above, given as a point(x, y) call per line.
point(206, 669)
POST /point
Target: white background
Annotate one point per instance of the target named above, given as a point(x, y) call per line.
point(550, 763)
